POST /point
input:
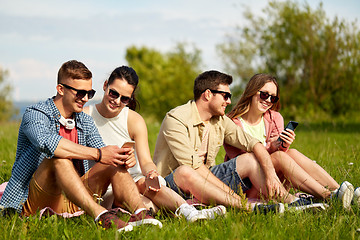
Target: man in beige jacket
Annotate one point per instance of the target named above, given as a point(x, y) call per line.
point(190, 138)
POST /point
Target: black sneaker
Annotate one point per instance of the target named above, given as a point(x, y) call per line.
point(264, 209)
point(307, 197)
point(304, 204)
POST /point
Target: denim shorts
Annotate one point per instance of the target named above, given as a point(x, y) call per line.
point(225, 171)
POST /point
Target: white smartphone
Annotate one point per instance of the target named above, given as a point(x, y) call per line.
point(154, 183)
point(129, 144)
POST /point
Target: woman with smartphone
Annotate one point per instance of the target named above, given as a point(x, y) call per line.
point(119, 124)
point(257, 113)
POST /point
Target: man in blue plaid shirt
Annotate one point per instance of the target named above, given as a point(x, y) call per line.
point(56, 142)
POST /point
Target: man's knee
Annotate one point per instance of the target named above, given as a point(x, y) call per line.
point(45, 175)
point(60, 163)
point(107, 171)
point(46, 170)
point(247, 163)
point(183, 175)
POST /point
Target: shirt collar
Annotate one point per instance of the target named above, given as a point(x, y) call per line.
point(196, 116)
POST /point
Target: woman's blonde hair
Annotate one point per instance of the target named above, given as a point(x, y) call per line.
point(253, 86)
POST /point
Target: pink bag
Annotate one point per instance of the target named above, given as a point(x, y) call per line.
point(2, 188)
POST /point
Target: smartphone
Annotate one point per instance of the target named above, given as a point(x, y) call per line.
point(291, 125)
point(130, 144)
point(154, 183)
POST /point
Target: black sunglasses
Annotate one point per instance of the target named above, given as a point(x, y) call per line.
point(81, 93)
point(226, 95)
point(266, 95)
point(114, 94)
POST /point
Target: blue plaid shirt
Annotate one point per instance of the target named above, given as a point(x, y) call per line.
point(38, 138)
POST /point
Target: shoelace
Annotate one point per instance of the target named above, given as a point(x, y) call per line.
point(306, 197)
point(186, 208)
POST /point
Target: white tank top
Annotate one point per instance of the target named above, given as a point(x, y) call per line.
point(114, 131)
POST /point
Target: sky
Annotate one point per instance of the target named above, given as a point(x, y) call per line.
point(38, 36)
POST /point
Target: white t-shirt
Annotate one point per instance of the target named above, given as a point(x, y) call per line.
point(114, 131)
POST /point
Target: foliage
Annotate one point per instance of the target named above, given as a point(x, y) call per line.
point(8, 140)
point(166, 79)
point(6, 105)
point(315, 59)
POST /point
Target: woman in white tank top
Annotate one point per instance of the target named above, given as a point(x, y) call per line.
point(118, 124)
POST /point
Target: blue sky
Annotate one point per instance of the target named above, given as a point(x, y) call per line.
point(37, 36)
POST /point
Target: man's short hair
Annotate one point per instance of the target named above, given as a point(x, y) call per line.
point(74, 70)
point(210, 80)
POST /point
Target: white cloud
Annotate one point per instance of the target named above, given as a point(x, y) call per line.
point(27, 77)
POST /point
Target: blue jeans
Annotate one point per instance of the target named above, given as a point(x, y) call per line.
point(225, 171)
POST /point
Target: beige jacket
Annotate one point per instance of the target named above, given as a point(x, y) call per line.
point(179, 139)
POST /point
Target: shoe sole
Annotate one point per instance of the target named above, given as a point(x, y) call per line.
point(146, 221)
point(198, 217)
point(313, 207)
point(347, 196)
point(356, 197)
point(127, 228)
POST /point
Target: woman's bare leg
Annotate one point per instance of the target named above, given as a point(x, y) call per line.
point(313, 169)
point(297, 176)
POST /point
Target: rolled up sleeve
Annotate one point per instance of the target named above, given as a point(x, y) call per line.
point(235, 136)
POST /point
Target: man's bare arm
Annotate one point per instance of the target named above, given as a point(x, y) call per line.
point(110, 155)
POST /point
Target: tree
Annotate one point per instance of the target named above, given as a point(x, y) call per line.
point(6, 107)
point(315, 59)
point(166, 79)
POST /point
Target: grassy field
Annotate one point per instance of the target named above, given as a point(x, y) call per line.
point(334, 146)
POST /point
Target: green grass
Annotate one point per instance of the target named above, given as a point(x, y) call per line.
point(333, 146)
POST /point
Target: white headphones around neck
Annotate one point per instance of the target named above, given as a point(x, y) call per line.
point(67, 123)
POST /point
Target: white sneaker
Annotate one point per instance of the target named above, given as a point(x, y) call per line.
point(190, 213)
point(344, 194)
point(356, 197)
point(211, 213)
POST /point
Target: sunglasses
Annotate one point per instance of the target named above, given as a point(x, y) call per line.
point(226, 95)
point(81, 93)
point(266, 95)
point(114, 94)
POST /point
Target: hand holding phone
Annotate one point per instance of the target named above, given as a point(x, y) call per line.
point(130, 161)
point(152, 183)
point(291, 125)
point(129, 144)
